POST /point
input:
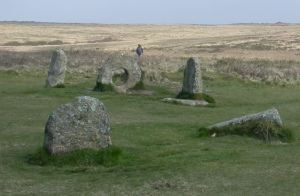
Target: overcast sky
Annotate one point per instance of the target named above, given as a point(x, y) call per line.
point(151, 11)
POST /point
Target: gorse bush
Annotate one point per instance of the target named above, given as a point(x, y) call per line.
point(87, 157)
point(263, 130)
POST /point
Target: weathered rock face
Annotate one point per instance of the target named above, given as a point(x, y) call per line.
point(105, 74)
point(84, 123)
point(271, 115)
point(192, 82)
point(120, 65)
point(57, 69)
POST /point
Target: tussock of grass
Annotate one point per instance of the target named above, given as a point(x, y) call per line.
point(263, 130)
point(34, 43)
point(271, 72)
point(60, 86)
point(87, 157)
point(139, 86)
point(103, 87)
point(197, 96)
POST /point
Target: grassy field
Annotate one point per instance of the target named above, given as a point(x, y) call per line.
point(162, 154)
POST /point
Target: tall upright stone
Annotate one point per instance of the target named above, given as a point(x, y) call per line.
point(192, 82)
point(105, 75)
point(57, 69)
point(192, 88)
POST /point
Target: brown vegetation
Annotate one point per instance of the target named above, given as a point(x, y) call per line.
point(269, 53)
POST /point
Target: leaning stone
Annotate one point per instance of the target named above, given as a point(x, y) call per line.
point(57, 69)
point(83, 123)
point(192, 81)
point(186, 102)
point(271, 115)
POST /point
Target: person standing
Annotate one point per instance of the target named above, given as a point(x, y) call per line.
point(139, 51)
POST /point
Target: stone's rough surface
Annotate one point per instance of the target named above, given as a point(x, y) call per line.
point(84, 123)
point(192, 81)
point(105, 74)
point(57, 69)
point(118, 65)
point(271, 115)
point(186, 102)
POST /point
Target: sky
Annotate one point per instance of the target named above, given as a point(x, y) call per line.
point(151, 11)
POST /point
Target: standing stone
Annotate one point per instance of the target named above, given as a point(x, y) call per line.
point(192, 82)
point(119, 65)
point(57, 69)
point(105, 75)
point(83, 123)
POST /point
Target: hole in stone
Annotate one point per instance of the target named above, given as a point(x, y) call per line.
point(120, 77)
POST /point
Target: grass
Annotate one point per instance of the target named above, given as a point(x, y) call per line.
point(139, 86)
point(60, 86)
point(264, 130)
point(161, 151)
point(196, 96)
point(103, 87)
point(86, 157)
point(34, 43)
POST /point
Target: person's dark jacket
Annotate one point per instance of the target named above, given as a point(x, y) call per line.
point(139, 51)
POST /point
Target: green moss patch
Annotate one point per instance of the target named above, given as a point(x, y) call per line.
point(103, 87)
point(263, 130)
point(87, 157)
point(197, 96)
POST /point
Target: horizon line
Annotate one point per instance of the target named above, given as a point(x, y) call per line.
point(159, 24)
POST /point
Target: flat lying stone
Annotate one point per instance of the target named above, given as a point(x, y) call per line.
point(141, 92)
point(271, 115)
point(186, 102)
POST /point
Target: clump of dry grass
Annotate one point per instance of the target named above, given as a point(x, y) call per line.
point(272, 72)
point(34, 43)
